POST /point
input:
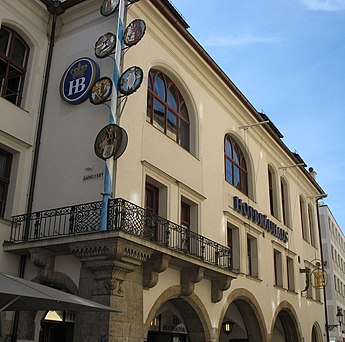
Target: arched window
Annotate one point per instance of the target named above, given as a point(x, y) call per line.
point(284, 201)
point(272, 191)
point(303, 219)
point(14, 53)
point(235, 165)
point(166, 108)
point(311, 225)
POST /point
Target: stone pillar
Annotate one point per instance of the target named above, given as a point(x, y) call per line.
point(111, 274)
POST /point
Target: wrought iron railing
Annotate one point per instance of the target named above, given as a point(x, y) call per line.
point(122, 215)
point(77, 219)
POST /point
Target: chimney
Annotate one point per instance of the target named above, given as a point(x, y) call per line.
point(312, 172)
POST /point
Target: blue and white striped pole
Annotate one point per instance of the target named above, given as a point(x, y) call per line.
point(114, 115)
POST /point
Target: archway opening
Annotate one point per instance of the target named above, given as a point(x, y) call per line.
point(246, 327)
point(176, 321)
point(285, 328)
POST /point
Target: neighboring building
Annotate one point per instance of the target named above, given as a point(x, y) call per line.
point(333, 246)
point(214, 219)
point(23, 49)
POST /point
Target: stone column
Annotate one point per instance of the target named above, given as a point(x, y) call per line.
point(111, 274)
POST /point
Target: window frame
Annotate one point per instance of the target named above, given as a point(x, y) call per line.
point(10, 62)
point(272, 192)
point(284, 193)
point(311, 222)
point(181, 119)
point(252, 256)
point(233, 242)
point(278, 268)
point(290, 272)
point(5, 181)
point(241, 165)
point(304, 227)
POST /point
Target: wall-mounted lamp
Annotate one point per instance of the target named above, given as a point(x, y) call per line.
point(227, 327)
point(254, 124)
point(340, 317)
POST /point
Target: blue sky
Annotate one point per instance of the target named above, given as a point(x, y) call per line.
point(288, 58)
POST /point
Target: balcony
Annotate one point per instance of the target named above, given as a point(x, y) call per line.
point(121, 216)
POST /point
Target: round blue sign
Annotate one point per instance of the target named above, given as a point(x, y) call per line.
point(78, 79)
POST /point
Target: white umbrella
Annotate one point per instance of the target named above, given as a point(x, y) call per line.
point(20, 294)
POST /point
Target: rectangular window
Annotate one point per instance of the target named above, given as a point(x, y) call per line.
point(290, 274)
point(278, 274)
point(5, 172)
point(151, 198)
point(155, 207)
point(234, 245)
point(150, 231)
point(252, 256)
point(185, 215)
point(189, 221)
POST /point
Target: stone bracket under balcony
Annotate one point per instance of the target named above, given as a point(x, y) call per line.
point(218, 286)
point(189, 277)
point(156, 264)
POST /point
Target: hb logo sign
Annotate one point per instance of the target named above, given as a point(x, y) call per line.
point(78, 79)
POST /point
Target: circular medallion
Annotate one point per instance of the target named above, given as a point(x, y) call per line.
point(130, 80)
point(109, 7)
point(77, 80)
point(111, 141)
point(101, 90)
point(105, 45)
point(134, 32)
point(123, 144)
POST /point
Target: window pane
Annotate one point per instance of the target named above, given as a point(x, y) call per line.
point(4, 163)
point(228, 174)
point(228, 148)
point(184, 112)
point(172, 125)
point(158, 118)
point(244, 182)
point(235, 156)
point(3, 66)
point(185, 215)
point(13, 85)
point(160, 87)
point(4, 38)
point(172, 98)
point(18, 52)
point(2, 199)
point(184, 135)
point(237, 178)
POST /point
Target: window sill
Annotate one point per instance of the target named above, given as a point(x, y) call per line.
point(254, 278)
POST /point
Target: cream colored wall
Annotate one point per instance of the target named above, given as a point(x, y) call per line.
point(18, 125)
point(67, 149)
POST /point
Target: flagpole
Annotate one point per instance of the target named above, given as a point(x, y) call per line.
point(114, 116)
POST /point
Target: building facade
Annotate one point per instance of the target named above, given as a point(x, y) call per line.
point(22, 58)
point(213, 220)
point(333, 244)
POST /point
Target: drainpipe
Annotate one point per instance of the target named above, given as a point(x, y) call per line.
point(322, 262)
point(55, 9)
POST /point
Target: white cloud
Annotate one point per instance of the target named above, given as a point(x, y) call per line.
point(241, 40)
point(325, 5)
